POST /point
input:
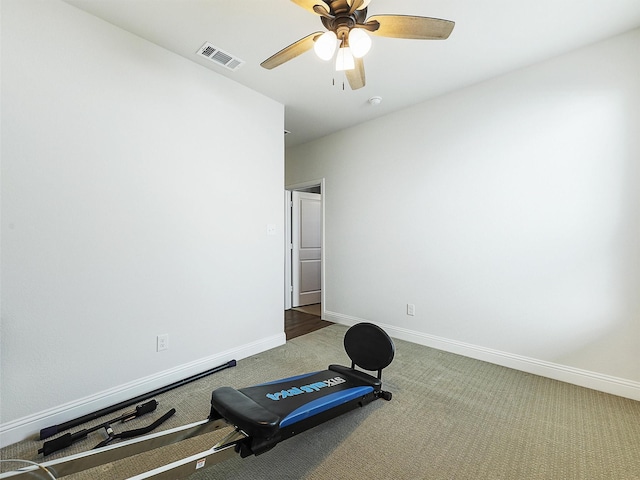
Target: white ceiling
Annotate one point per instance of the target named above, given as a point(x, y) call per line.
point(491, 37)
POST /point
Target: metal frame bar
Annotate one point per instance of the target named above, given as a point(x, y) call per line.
point(184, 467)
point(93, 458)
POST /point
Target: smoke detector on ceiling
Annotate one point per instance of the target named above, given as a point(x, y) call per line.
point(220, 57)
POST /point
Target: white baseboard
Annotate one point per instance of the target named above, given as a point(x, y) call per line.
point(30, 426)
point(584, 378)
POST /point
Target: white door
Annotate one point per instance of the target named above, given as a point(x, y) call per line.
point(306, 229)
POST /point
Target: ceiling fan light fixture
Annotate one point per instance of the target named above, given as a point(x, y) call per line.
point(345, 60)
point(359, 42)
point(325, 46)
point(350, 27)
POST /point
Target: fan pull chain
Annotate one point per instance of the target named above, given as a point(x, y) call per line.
point(333, 82)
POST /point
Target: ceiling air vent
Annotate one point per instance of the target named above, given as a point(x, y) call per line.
point(220, 57)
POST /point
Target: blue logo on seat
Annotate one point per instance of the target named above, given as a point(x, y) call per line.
point(312, 387)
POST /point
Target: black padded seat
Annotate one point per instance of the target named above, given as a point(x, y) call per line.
point(271, 412)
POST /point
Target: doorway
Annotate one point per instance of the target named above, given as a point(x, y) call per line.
point(304, 242)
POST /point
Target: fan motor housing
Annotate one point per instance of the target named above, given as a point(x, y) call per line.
point(342, 21)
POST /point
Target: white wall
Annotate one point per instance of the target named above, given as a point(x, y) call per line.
point(136, 191)
point(507, 212)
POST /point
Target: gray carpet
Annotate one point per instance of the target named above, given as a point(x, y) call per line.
point(450, 418)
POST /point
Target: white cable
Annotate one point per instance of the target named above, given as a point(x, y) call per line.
point(32, 463)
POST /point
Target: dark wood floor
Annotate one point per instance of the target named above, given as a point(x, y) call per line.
point(299, 323)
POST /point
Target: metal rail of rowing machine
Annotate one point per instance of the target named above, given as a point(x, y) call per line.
point(224, 449)
point(94, 458)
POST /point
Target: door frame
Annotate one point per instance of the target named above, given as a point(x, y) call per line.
point(287, 241)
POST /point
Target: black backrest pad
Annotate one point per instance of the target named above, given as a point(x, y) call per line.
point(369, 347)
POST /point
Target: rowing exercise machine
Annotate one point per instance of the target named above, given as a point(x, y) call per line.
point(261, 416)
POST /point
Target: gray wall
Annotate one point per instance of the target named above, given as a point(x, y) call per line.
point(507, 212)
point(136, 191)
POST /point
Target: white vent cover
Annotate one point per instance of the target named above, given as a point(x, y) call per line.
point(220, 57)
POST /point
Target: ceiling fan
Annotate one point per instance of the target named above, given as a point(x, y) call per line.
point(346, 23)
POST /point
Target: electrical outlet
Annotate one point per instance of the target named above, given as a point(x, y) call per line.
point(411, 309)
point(162, 342)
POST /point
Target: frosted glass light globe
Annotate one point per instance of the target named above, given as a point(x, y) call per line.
point(359, 42)
point(344, 60)
point(325, 46)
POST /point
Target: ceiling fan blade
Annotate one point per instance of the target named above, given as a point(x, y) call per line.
point(290, 52)
point(356, 75)
point(308, 4)
point(322, 11)
point(361, 4)
point(355, 5)
point(369, 26)
point(407, 26)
